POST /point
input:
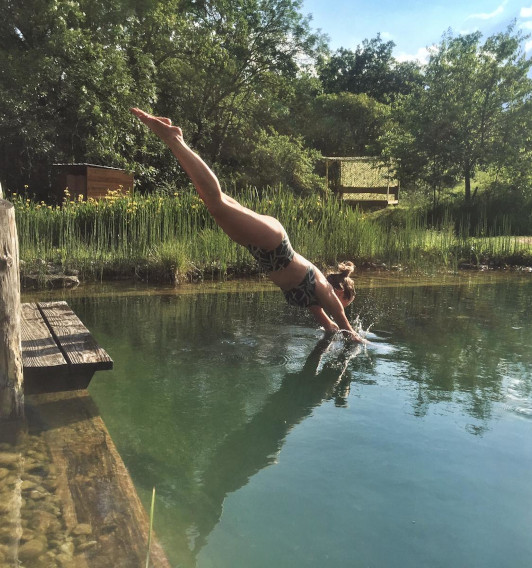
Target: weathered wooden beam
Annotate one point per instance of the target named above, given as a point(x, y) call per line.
point(73, 338)
point(99, 502)
point(391, 190)
point(11, 371)
point(39, 349)
point(58, 351)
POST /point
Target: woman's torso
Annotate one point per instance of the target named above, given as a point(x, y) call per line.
point(289, 277)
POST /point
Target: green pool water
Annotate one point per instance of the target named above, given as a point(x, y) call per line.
point(269, 445)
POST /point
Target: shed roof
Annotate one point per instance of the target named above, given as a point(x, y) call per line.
point(89, 165)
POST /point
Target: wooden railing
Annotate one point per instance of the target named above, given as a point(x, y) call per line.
point(370, 195)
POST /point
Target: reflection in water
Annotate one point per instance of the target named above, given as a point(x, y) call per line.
point(462, 344)
point(208, 389)
point(262, 437)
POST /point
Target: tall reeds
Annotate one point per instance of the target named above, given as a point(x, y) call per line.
point(161, 236)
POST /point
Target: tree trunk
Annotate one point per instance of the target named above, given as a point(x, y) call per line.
point(467, 176)
point(11, 392)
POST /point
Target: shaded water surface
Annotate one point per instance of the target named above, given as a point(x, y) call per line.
point(270, 445)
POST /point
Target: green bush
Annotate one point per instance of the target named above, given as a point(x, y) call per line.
point(283, 160)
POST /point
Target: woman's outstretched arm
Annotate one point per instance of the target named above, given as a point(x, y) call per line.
point(330, 304)
point(323, 319)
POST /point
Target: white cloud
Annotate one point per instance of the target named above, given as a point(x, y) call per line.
point(528, 46)
point(526, 12)
point(421, 56)
point(467, 31)
point(526, 25)
point(489, 15)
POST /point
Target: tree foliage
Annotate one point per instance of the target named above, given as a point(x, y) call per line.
point(345, 124)
point(70, 71)
point(370, 69)
point(256, 92)
point(278, 159)
point(472, 112)
point(66, 84)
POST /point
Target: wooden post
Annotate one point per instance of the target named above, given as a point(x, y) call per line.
point(11, 390)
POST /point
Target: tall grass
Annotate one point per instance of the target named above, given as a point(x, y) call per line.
point(164, 236)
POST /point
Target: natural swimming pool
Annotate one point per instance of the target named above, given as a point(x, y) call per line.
point(269, 446)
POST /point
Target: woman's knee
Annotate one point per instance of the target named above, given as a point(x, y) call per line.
point(215, 204)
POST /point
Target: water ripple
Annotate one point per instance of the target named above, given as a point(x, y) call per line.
point(516, 401)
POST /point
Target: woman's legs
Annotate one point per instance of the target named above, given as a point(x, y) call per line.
point(244, 226)
point(240, 223)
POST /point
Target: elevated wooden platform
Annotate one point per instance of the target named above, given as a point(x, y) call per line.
point(58, 351)
point(374, 196)
point(362, 181)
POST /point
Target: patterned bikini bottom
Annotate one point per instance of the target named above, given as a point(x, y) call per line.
point(304, 294)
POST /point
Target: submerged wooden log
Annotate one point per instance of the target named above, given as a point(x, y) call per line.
point(100, 508)
point(11, 372)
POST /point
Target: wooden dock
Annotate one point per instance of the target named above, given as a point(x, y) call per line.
point(64, 462)
point(58, 351)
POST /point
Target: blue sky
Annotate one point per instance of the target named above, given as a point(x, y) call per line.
point(414, 25)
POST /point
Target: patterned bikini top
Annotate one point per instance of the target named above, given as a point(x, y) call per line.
point(276, 259)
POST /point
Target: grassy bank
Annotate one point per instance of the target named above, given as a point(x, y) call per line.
point(168, 236)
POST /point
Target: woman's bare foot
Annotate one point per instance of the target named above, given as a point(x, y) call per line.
point(160, 126)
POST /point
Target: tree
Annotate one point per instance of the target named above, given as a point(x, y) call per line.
point(468, 115)
point(67, 79)
point(370, 69)
point(345, 124)
point(278, 159)
point(69, 71)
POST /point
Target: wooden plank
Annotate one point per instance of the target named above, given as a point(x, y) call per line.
point(392, 190)
point(94, 488)
point(101, 180)
point(380, 190)
point(39, 348)
point(74, 339)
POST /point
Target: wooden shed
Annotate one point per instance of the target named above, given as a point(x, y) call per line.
point(363, 181)
point(89, 180)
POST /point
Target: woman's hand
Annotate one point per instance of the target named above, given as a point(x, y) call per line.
point(160, 126)
point(354, 336)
